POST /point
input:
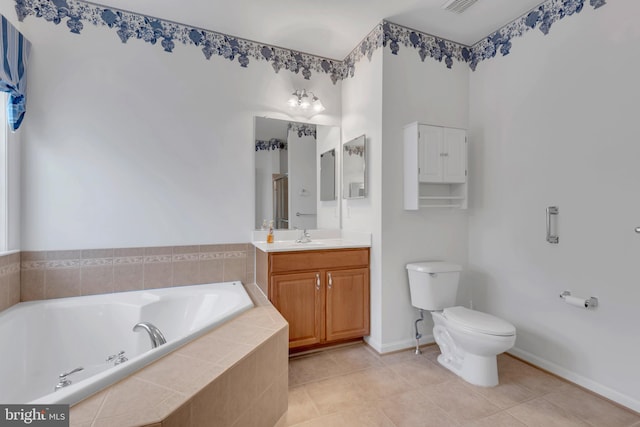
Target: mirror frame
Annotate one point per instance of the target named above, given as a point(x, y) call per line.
point(355, 142)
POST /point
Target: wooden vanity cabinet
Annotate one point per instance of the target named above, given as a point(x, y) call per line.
point(323, 294)
point(298, 297)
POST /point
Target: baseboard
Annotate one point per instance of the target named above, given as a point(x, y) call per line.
point(374, 344)
point(401, 345)
point(575, 378)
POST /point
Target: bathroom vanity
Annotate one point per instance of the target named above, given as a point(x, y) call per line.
point(322, 290)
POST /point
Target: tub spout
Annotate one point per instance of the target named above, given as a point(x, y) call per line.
point(157, 339)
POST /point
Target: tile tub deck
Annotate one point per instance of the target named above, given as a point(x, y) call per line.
point(235, 375)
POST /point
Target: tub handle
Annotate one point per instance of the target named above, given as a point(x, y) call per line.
point(117, 358)
point(62, 378)
point(73, 371)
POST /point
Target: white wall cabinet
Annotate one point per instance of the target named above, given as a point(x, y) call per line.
point(435, 167)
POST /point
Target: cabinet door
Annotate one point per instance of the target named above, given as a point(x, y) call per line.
point(298, 297)
point(454, 168)
point(347, 314)
point(430, 147)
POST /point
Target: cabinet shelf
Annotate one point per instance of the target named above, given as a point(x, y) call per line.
point(441, 197)
point(441, 206)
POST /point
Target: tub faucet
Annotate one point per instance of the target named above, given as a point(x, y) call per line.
point(155, 335)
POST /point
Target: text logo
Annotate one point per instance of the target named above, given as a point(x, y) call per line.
point(34, 415)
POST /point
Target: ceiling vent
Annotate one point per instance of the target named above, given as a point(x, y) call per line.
point(458, 6)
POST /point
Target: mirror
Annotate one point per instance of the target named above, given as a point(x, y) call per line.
point(328, 175)
point(289, 181)
point(354, 161)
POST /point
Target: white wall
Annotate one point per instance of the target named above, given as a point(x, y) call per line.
point(267, 163)
point(555, 123)
point(328, 138)
point(361, 114)
point(386, 94)
point(303, 181)
point(126, 145)
point(429, 93)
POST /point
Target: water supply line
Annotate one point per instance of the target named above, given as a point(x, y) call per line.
point(418, 334)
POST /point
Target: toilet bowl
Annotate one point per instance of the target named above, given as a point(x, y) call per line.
point(469, 340)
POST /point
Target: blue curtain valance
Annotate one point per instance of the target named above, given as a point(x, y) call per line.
point(13, 73)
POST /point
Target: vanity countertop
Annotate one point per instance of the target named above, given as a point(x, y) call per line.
point(285, 240)
point(291, 245)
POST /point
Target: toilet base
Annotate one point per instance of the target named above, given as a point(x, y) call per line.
point(477, 370)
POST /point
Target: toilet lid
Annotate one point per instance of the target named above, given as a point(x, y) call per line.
point(478, 321)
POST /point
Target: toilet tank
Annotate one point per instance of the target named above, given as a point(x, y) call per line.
point(433, 284)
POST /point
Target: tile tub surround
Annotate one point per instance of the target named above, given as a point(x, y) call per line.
point(236, 375)
point(9, 280)
point(58, 274)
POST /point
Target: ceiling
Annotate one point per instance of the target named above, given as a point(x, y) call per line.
point(329, 28)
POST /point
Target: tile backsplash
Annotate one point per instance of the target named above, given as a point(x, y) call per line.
point(9, 280)
point(57, 274)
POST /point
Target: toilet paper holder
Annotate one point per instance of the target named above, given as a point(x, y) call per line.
point(590, 302)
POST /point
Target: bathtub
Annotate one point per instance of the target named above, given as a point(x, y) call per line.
point(42, 339)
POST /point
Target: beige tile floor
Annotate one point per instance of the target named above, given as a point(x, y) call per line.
point(354, 386)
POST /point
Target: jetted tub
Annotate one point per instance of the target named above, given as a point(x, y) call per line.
point(42, 339)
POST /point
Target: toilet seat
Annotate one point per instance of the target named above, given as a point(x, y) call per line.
point(476, 321)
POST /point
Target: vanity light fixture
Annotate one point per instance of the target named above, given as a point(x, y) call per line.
point(305, 101)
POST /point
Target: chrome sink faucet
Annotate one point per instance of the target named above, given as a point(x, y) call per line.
point(305, 237)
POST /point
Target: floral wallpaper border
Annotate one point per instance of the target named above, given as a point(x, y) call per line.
point(354, 150)
point(271, 145)
point(302, 129)
point(541, 17)
point(167, 33)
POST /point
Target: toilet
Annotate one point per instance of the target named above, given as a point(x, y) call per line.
point(469, 340)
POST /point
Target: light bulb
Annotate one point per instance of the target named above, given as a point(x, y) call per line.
point(317, 105)
point(293, 100)
point(304, 101)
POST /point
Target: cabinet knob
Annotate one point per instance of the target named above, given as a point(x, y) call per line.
point(330, 281)
point(317, 281)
